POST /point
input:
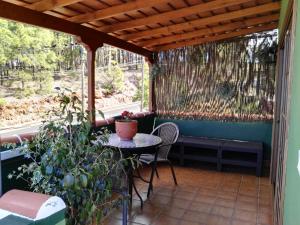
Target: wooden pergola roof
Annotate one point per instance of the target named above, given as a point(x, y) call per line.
point(146, 26)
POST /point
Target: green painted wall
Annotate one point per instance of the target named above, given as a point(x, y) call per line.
point(292, 189)
point(245, 131)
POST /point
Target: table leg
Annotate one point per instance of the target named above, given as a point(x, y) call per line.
point(152, 174)
point(138, 194)
point(125, 208)
point(130, 183)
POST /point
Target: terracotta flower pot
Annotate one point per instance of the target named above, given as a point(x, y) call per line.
point(126, 129)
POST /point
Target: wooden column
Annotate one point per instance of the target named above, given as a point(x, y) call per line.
point(152, 100)
point(91, 46)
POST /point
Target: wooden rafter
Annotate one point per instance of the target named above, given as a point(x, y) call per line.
point(207, 31)
point(274, 6)
point(230, 35)
point(46, 5)
point(174, 14)
point(115, 10)
point(24, 15)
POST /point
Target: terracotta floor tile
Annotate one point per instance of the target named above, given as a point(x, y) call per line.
point(207, 192)
point(179, 203)
point(230, 188)
point(264, 218)
point(248, 206)
point(144, 218)
point(188, 188)
point(227, 195)
point(225, 202)
point(118, 214)
point(265, 210)
point(173, 212)
point(245, 215)
point(201, 207)
point(222, 211)
point(266, 202)
point(264, 180)
point(195, 217)
point(246, 198)
point(241, 222)
point(203, 197)
point(160, 200)
point(166, 192)
point(184, 222)
point(218, 220)
point(185, 195)
point(163, 220)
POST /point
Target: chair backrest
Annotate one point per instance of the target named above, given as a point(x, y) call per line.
point(169, 133)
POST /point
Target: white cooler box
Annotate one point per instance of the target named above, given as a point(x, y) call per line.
point(28, 208)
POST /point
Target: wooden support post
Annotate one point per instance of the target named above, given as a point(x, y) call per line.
point(91, 55)
point(91, 46)
point(152, 101)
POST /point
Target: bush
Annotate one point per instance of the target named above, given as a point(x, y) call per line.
point(113, 80)
point(22, 93)
point(138, 94)
point(24, 77)
point(3, 102)
point(46, 82)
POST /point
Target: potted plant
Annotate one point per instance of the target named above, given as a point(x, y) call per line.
point(66, 161)
point(126, 128)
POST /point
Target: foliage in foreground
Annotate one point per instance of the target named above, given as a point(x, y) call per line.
point(67, 161)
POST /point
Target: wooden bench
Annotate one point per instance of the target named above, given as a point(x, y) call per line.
point(221, 147)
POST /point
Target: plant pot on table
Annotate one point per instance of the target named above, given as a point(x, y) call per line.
point(126, 129)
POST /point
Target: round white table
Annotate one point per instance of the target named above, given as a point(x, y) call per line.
point(140, 144)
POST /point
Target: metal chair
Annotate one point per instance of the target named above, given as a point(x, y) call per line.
point(169, 133)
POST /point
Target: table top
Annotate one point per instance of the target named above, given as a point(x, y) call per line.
point(139, 141)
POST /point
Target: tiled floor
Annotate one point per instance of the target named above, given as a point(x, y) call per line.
point(202, 197)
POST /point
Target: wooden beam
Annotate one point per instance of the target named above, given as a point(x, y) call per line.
point(91, 49)
point(274, 6)
point(174, 14)
point(46, 5)
point(24, 15)
point(230, 35)
point(206, 31)
point(115, 10)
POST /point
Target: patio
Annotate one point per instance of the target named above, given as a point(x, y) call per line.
point(202, 197)
point(210, 76)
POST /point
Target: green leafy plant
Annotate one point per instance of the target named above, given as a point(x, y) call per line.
point(46, 82)
point(69, 162)
point(138, 94)
point(113, 81)
point(26, 92)
point(3, 102)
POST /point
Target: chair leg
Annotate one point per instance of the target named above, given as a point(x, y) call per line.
point(173, 172)
point(154, 164)
point(156, 171)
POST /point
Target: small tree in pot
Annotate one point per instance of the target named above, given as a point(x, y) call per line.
point(68, 162)
point(126, 128)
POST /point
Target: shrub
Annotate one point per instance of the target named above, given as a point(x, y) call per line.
point(138, 94)
point(22, 93)
point(46, 82)
point(3, 102)
point(113, 80)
